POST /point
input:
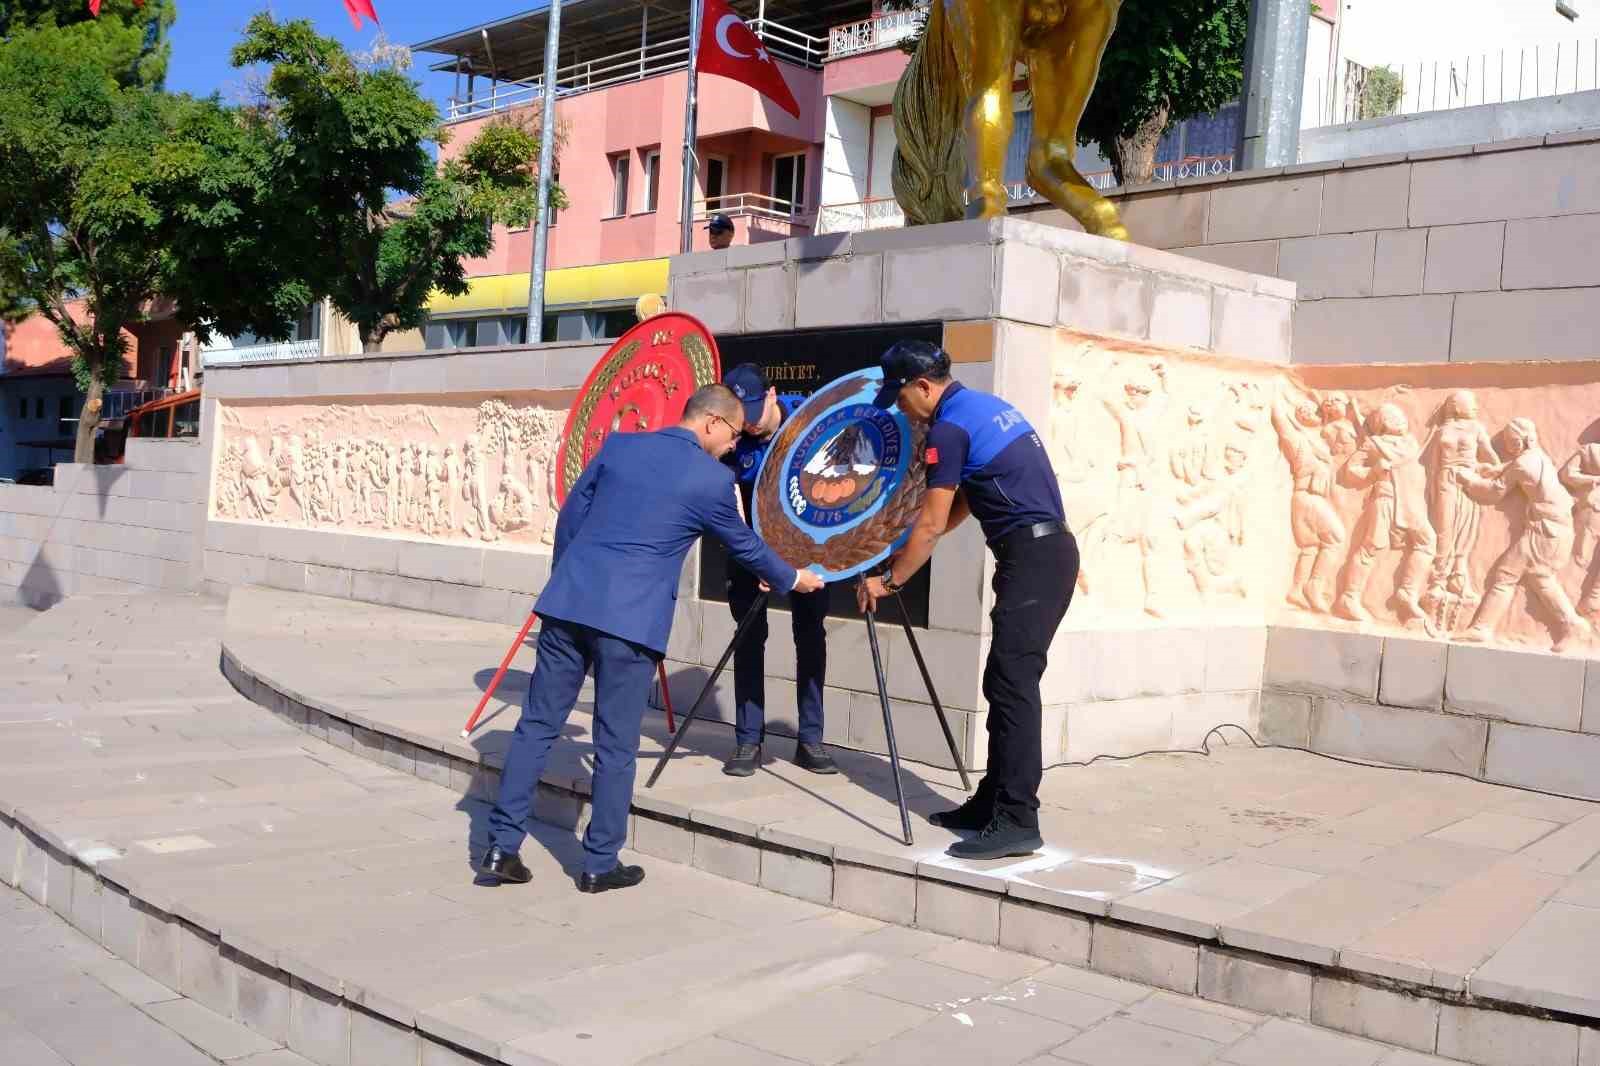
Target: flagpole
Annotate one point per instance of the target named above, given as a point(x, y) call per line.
point(547, 140)
point(691, 106)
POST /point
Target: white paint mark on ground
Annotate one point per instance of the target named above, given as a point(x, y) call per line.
point(173, 845)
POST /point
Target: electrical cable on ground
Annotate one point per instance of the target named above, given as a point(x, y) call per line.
point(1205, 750)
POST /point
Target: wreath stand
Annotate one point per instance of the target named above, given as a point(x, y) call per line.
point(883, 700)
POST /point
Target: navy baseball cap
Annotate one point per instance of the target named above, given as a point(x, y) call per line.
point(750, 385)
point(907, 361)
point(719, 222)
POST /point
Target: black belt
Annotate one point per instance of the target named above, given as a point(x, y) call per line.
point(1027, 533)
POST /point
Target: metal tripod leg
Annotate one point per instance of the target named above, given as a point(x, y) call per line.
point(888, 726)
point(938, 708)
point(722, 664)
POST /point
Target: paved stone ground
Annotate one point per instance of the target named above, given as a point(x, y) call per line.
point(1416, 877)
point(118, 733)
point(65, 999)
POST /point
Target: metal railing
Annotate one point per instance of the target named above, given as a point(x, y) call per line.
point(117, 402)
point(1489, 77)
point(882, 212)
point(880, 31)
point(635, 64)
point(261, 353)
point(762, 214)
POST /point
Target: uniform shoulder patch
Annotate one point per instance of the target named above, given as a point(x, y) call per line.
point(930, 455)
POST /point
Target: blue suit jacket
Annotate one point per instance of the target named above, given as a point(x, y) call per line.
point(628, 523)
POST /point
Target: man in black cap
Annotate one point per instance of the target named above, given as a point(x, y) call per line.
point(720, 230)
point(984, 459)
point(764, 412)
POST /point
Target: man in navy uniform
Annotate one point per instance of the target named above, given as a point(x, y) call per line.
point(719, 231)
point(619, 547)
point(764, 412)
point(984, 459)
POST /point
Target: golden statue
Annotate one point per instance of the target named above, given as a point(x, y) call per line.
point(956, 93)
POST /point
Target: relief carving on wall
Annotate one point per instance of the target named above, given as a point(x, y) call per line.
point(1458, 503)
point(467, 471)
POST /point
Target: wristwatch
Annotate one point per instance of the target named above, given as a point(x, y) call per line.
point(887, 577)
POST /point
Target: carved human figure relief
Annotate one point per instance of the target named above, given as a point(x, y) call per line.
point(1070, 455)
point(475, 491)
point(513, 506)
point(1387, 462)
point(1317, 528)
point(1192, 457)
point(259, 485)
point(1214, 518)
point(1539, 549)
point(1341, 420)
point(1581, 475)
point(1457, 445)
point(1135, 518)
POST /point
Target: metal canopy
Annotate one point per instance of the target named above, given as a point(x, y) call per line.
point(512, 49)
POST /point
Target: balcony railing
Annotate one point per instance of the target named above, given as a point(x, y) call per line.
point(262, 353)
point(877, 213)
point(117, 402)
point(880, 31)
point(762, 214)
point(635, 64)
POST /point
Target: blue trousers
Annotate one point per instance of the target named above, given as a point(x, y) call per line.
point(808, 610)
point(623, 672)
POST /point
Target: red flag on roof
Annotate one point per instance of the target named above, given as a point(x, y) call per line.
point(728, 47)
point(359, 9)
point(94, 6)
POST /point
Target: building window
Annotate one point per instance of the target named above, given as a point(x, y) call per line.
point(38, 407)
point(652, 179)
point(716, 181)
point(619, 186)
point(555, 180)
point(22, 407)
point(65, 416)
point(789, 181)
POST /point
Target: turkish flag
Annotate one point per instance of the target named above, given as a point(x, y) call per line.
point(729, 48)
point(358, 8)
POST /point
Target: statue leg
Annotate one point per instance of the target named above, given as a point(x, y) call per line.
point(987, 35)
point(1062, 66)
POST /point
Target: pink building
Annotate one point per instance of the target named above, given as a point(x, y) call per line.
point(622, 79)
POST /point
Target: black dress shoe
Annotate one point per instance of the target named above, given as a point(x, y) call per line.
point(505, 866)
point(814, 757)
point(1000, 839)
point(970, 817)
point(745, 762)
point(619, 876)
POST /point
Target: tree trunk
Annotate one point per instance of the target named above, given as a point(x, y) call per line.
point(1133, 159)
point(88, 421)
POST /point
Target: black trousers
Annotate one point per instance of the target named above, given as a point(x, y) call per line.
point(808, 612)
point(1033, 583)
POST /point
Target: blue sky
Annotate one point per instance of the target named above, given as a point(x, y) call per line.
point(206, 31)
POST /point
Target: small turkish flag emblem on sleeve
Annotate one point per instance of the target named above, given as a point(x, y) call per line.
point(930, 455)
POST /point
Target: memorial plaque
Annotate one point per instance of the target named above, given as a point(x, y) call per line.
point(643, 382)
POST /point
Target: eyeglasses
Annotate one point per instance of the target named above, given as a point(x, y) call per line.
point(735, 429)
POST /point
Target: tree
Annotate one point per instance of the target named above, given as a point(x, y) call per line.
point(1380, 93)
point(104, 182)
point(128, 39)
point(1167, 61)
point(379, 226)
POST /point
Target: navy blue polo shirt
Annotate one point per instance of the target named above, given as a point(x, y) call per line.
point(983, 445)
point(749, 451)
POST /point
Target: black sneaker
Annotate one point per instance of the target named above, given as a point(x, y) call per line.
point(504, 867)
point(1000, 839)
point(970, 817)
point(814, 757)
point(745, 762)
point(619, 876)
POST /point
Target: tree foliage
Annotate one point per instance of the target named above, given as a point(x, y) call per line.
point(1168, 60)
point(129, 39)
point(104, 182)
point(378, 224)
point(1380, 93)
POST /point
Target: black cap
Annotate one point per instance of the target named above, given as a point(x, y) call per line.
point(719, 222)
point(907, 361)
point(750, 385)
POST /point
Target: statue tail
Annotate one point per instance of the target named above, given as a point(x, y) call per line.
point(928, 167)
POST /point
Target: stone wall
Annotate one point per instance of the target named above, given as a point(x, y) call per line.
point(1512, 120)
point(1501, 715)
point(106, 530)
point(1438, 255)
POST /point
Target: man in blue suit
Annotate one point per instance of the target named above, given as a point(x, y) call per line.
point(620, 543)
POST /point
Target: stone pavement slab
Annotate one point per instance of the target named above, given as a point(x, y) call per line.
point(350, 897)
